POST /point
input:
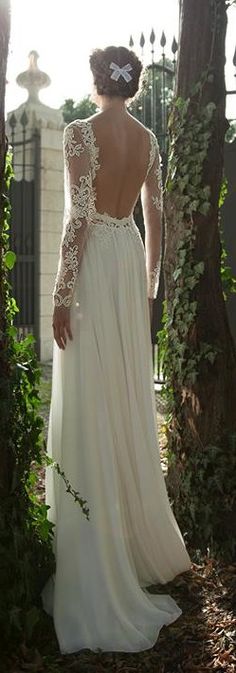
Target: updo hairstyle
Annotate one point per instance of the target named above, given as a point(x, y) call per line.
point(100, 61)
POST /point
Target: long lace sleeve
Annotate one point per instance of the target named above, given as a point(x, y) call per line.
point(152, 204)
point(78, 194)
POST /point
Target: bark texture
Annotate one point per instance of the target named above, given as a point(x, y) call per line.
point(4, 363)
point(207, 413)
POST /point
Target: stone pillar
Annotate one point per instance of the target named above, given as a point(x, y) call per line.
point(51, 215)
point(49, 123)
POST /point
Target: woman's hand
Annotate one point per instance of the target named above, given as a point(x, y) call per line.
point(61, 325)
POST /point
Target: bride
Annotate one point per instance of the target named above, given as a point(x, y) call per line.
point(102, 427)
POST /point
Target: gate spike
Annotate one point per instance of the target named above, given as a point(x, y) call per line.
point(131, 42)
point(12, 121)
point(24, 119)
point(163, 40)
point(174, 46)
point(152, 37)
point(142, 41)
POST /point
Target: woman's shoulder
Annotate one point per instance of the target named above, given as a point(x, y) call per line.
point(77, 130)
point(153, 140)
point(77, 124)
point(71, 129)
point(143, 129)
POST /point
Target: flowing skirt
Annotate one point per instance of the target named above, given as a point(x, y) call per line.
point(102, 431)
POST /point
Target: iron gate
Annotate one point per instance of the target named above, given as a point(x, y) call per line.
point(24, 233)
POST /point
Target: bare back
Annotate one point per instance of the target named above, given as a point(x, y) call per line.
point(124, 149)
point(109, 160)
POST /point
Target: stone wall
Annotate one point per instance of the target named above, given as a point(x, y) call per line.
point(51, 216)
point(30, 116)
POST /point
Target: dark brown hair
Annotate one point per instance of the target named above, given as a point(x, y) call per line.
point(100, 61)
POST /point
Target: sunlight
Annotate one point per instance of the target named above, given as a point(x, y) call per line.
point(64, 34)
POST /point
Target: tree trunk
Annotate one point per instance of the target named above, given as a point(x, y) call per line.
point(4, 364)
point(204, 412)
point(4, 42)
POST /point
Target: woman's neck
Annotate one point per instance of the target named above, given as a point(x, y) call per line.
point(114, 103)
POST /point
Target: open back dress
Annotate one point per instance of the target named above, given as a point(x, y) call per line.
point(102, 426)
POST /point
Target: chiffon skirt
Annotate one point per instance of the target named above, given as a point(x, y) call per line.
point(102, 432)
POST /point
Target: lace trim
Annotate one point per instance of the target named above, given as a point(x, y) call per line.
point(152, 152)
point(69, 264)
point(89, 140)
point(158, 199)
point(153, 281)
point(80, 196)
point(71, 146)
point(76, 217)
point(112, 221)
point(105, 230)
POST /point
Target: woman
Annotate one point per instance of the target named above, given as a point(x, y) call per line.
point(102, 427)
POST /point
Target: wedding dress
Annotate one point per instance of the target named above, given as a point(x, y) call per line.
point(102, 427)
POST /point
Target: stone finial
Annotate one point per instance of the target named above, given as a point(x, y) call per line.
point(38, 114)
point(33, 79)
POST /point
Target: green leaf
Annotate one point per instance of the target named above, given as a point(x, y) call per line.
point(204, 208)
point(9, 259)
point(199, 267)
point(32, 618)
point(210, 108)
point(29, 339)
point(12, 331)
point(211, 356)
point(177, 273)
point(206, 191)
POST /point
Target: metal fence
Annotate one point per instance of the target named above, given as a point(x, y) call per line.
point(151, 108)
point(24, 232)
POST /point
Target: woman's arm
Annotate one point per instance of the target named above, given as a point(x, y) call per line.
point(78, 194)
point(152, 204)
point(78, 190)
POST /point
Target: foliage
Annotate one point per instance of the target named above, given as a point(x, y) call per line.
point(231, 133)
point(201, 476)
point(206, 499)
point(69, 489)
point(82, 110)
point(227, 278)
point(192, 134)
point(26, 555)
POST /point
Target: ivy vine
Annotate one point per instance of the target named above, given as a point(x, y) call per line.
point(204, 493)
point(184, 181)
point(26, 549)
point(193, 123)
point(227, 278)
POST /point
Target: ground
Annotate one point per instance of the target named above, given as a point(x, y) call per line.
point(202, 640)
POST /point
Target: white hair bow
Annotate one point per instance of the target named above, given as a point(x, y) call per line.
point(124, 71)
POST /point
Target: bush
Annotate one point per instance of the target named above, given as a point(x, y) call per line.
point(26, 557)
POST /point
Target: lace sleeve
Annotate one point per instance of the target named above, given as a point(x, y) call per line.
point(78, 194)
point(152, 203)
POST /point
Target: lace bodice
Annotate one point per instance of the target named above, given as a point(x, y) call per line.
point(81, 162)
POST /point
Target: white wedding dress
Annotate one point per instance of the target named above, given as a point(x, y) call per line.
point(102, 427)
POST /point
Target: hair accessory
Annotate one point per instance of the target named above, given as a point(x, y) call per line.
point(123, 72)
